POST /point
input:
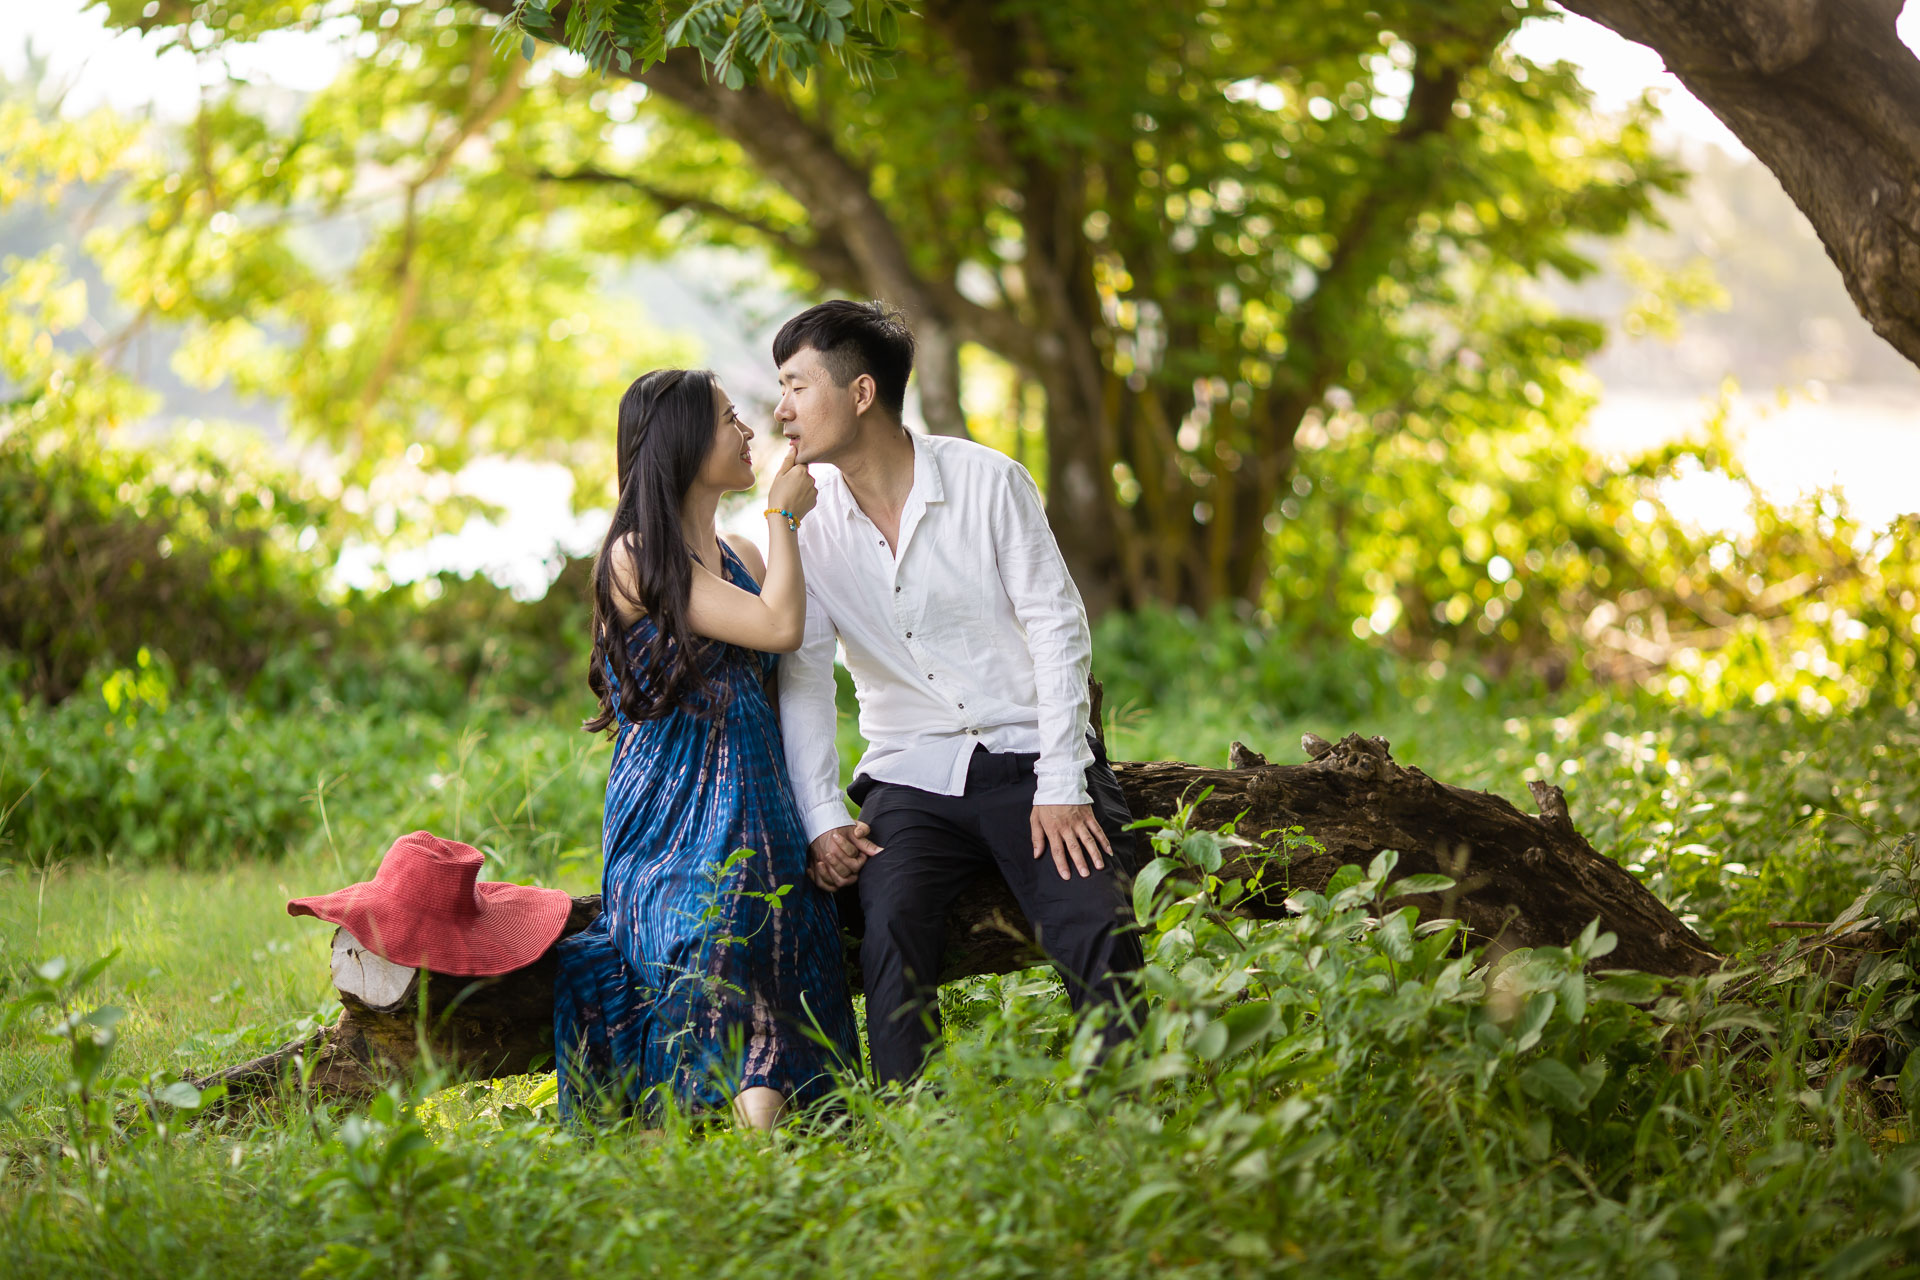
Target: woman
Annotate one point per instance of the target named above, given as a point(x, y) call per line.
point(715, 967)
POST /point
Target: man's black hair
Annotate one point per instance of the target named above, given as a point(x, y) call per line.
point(854, 338)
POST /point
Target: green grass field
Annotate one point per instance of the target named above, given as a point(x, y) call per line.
point(1385, 1109)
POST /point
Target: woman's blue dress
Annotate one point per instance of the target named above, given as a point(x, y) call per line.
point(715, 964)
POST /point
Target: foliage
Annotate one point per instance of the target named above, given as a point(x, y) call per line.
point(1343, 1092)
point(739, 40)
point(1216, 215)
point(207, 552)
point(383, 264)
point(1527, 550)
point(143, 768)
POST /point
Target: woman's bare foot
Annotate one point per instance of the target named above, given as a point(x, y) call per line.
point(759, 1107)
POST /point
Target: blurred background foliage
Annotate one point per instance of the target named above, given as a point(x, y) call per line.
point(427, 263)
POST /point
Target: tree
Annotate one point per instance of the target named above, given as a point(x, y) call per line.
point(372, 258)
point(1827, 97)
point(1191, 227)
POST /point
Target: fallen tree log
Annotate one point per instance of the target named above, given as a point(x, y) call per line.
point(1522, 880)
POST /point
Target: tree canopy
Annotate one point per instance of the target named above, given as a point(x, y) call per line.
point(1184, 236)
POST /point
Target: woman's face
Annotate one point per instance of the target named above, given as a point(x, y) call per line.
point(729, 464)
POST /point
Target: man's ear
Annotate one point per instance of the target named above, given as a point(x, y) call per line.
point(865, 390)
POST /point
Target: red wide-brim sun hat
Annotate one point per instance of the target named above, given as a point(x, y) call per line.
point(427, 908)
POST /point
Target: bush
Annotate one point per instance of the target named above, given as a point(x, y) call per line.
point(149, 769)
point(207, 554)
point(1523, 551)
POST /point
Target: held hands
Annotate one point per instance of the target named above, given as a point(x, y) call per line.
point(835, 857)
point(1070, 831)
point(792, 488)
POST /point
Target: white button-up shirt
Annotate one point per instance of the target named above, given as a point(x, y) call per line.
point(970, 633)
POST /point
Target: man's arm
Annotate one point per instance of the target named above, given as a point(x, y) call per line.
point(808, 721)
point(1044, 598)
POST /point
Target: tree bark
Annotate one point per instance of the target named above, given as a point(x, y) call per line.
point(1824, 94)
point(1523, 880)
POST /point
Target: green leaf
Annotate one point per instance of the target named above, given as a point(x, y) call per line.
point(179, 1094)
point(1395, 937)
point(1627, 986)
point(1910, 1084)
point(1408, 885)
point(1343, 879)
point(1202, 849)
point(1859, 1257)
point(94, 969)
point(1573, 996)
point(1532, 1020)
point(1211, 1044)
point(1143, 1196)
point(1383, 864)
point(1248, 1023)
point(1553, 1081)
point(1146, 883)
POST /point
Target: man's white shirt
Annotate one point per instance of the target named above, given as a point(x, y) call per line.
point(971, 633)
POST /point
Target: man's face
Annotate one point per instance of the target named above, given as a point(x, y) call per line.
point(819, 416)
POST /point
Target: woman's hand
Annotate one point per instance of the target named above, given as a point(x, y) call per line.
point(792, 488)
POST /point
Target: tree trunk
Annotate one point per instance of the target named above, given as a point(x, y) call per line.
point(937, 364)
point(1524, 880)
point(1824, 94)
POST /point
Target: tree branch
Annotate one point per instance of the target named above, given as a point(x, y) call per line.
point(825, 258)
point(1827, 97)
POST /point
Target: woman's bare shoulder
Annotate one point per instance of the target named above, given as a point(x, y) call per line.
point(749, 555)
point(625, 579)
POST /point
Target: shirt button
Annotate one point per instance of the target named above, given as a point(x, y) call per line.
point(961, 705)
point(896, 591)
point(929, 675)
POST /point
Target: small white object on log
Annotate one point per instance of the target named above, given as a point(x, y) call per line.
point(373, 981)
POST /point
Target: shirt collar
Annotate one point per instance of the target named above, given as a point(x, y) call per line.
point(928, 485)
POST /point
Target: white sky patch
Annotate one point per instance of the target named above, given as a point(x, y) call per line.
point(522, 551)
point(1618, 71)
point(1861, 441)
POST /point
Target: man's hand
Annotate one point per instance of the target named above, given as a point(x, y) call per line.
point(1070, 831)
point(835, 857)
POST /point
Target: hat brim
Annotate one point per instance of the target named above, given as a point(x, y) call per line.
point(511, 927)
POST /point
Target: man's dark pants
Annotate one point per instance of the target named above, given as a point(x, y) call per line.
point(933, 846)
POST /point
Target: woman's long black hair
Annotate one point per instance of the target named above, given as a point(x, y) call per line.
point(666, 432)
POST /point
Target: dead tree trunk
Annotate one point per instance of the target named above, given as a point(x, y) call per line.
point(1523, 880)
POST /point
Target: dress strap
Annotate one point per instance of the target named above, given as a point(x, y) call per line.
point(738, 570)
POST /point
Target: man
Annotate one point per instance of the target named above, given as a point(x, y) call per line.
point(931, 561)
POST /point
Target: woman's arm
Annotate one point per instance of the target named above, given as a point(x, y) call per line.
point(771, 622)
point(774, 620)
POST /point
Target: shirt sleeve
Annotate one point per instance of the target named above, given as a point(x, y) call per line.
point(1048, 605)
point(808, 722)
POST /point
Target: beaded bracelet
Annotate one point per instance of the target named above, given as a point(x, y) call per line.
point(793, 521)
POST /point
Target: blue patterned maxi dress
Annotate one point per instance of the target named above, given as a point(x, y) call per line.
point(715, 964)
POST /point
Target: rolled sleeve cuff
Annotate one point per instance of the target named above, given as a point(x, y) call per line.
point(1068, 787)
point(824, 817)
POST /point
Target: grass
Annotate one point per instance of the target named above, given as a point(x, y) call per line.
point(1368, 1104)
